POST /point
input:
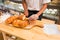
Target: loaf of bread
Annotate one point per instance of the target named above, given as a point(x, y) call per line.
point(11, 19)
point(22, 17)
point(20, 23)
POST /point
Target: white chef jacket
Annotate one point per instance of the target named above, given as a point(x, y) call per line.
point(36, 4)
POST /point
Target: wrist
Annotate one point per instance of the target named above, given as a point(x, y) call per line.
point(26, 13)
point(39, 13)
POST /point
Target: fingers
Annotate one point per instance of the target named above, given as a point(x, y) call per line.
point(33, 17)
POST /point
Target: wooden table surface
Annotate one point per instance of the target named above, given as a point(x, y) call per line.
point(35, 33)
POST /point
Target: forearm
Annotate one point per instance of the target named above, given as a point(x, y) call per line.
point(42, 9)
point(24, 5)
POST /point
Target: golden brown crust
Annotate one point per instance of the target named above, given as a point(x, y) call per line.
point(22, 17)
point(11, 19)
point(20, 23)
point(16, 23)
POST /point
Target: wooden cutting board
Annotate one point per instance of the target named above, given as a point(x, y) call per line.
point(34, 24)
point(35, 33)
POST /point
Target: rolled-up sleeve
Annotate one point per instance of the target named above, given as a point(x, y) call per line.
point(46, 1)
